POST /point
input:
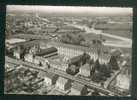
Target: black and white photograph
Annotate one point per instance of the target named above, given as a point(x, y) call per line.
point(68, 50)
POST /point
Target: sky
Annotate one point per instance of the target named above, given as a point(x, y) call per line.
point(72, 9)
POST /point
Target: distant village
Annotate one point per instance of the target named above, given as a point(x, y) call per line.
point(43, 59)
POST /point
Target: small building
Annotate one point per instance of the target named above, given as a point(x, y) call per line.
point(29, 57)
point(63, 84)
point(78, 89)
point(50, 78)
point(18, 52)
point(85, 70)
point(37, 60)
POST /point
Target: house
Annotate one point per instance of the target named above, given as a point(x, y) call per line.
point(50, 78)
point(85, 70)
point(78, 89)
point(63, 84)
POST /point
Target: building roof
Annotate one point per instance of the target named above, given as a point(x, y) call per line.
point(27, 43)
point(50, 75)
point(75, 59)
point(53, 62)
point(55, 92)
point(62, 80)
point(77, 86)
point(10, 66)
point(93, 49)
point(105, 57)
point(47, 74)
point(46, 51)
point(14, 40)
point(86, 67)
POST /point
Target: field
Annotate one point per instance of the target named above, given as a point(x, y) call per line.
point(120, 29)
point(123, 33)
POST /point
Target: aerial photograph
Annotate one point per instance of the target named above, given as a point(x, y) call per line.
point(68, 50)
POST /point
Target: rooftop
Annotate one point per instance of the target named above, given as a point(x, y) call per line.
point(46, 74)
point(92, 48)
point(50, 75)
point(46, 51)
point(86, 67)
point(105, 54)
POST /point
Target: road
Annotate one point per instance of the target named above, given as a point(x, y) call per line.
point(108, 82)
point(60, 73)
point(118, 44)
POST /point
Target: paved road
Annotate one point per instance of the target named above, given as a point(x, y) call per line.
point(61, 73)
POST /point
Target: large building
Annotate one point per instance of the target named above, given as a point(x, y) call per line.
point(73, 50)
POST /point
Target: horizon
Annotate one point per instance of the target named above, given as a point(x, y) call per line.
point(72, 10)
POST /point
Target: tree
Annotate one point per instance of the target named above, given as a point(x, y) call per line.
point(72, 38)
point(113, 63)
point(105, 70)
point(90, 61)
point(97, 77)
point(97, 65)
point(85, 57)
